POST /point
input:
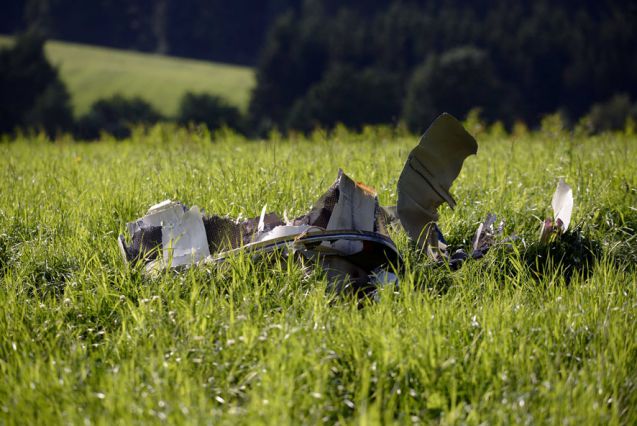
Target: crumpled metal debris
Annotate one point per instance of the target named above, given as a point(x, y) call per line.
point(345, 232)
point(485, 238)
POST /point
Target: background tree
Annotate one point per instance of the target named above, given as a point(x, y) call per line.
point(456, 81)
point(528, 58)
point(294, 58)
point(31, 92)
point(208, 29)
point(353, 98)
point(210, 110)
point(611, 114)
point(116, 115)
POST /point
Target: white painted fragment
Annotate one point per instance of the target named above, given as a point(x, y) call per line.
point(261, 225)
point(184, 238)
point(165, 212)
point(562, 205)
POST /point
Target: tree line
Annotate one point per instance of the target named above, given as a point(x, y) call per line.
point(358, 62)
point(218, 30)
point(409, 60)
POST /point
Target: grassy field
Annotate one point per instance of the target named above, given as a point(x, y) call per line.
point(85, 339)
point(92, 72)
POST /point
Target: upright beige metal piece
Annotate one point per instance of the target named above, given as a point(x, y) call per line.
point(430, 170)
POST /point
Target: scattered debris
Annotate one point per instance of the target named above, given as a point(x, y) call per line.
point(485, 238)
point(345, 232)
point(181, 232)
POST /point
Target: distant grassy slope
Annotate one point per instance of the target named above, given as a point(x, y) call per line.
point(92, 72)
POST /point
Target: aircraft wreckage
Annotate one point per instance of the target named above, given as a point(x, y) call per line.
point(345, 232)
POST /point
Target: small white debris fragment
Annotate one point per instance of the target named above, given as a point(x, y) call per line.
point(562, 205)
point(261, 226)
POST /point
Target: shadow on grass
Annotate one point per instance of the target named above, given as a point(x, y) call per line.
point(573, 252)
point(48, 277)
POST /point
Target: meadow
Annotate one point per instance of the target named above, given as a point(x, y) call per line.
point(92, 72)
point(84, 338)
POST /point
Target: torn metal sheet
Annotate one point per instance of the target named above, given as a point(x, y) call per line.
point(356, 208)
point(283, 231)
point(181, 232)
point(430, 170)
point(344, 233)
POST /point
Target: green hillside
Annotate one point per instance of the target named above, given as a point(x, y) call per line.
point(92, 72)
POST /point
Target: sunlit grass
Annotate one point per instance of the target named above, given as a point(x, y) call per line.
point(85, 338)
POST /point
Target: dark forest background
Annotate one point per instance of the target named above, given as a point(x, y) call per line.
point(357, 62)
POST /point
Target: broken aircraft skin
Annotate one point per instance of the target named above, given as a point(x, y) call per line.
point(344, 233)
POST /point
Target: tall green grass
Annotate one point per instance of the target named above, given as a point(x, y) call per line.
point(91, 73)
point(86, 339)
